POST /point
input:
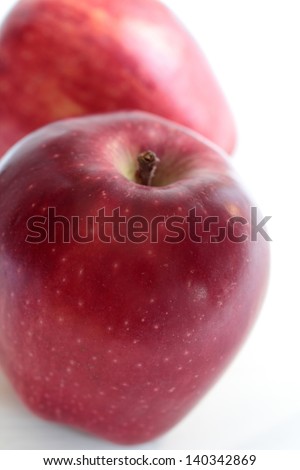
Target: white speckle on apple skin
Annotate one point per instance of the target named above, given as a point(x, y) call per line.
point(200, 293)
point(58, 412)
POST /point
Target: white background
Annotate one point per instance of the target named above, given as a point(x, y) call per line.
point(254, 48)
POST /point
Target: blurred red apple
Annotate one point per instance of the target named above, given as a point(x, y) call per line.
point(119, 325)
point(62, 58)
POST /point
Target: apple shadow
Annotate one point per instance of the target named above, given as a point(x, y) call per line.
point(282, 435)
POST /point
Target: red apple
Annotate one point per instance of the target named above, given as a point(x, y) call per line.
point(122, 334)
point(62, 58)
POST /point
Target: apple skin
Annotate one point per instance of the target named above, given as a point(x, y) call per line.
point(63, 58)
point(121, 339)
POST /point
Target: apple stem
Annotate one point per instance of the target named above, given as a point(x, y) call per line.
point(147, 166)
